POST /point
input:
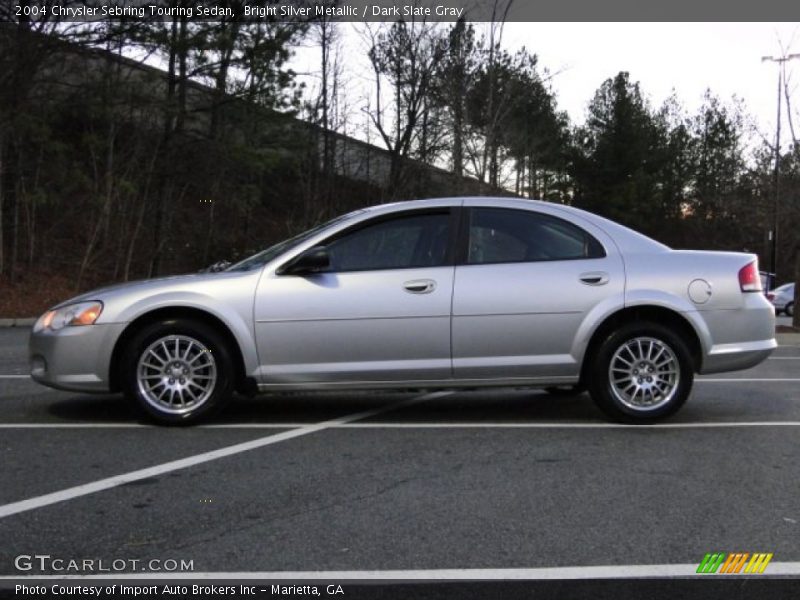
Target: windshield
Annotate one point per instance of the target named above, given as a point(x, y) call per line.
point(259, 260)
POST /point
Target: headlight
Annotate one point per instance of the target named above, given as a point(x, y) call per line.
point(83, 313)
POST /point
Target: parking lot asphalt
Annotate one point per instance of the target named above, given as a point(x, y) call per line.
point(497, 479)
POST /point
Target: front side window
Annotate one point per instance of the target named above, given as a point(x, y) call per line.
point(259, 260)
point(413, 240)
point(500, 235)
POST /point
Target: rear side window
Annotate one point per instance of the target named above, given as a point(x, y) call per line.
point(413, 240)
point(501, 235)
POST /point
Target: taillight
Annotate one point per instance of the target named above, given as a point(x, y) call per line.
point(770, 296)
point(749, 279)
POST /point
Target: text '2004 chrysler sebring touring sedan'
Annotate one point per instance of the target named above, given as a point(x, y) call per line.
point(458, 292)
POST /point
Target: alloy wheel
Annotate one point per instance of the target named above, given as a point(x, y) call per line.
point(176, 374)
point(644, 373)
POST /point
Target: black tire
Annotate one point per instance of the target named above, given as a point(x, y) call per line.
point(188, 378)
point(667, 392)
point(789, 310)
point(565, 390)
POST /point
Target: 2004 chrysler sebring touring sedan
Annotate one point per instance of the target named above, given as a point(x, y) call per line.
point(458, 292)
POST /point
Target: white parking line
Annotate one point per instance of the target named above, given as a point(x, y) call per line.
point(415, 425)
point(594, 572)
point(698, 379)
point(183, 463)
point(745, 379)
point(131, 425)
point(717, 380)
point(482, 425)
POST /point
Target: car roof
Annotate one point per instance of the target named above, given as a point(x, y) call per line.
point(627, 239)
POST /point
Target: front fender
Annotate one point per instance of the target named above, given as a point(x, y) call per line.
point(224, 311)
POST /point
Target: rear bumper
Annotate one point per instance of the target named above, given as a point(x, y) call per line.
point(740, 338)
point(737, 356)
point(74, 358)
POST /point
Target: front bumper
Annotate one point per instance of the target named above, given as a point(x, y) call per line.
point(74, 358)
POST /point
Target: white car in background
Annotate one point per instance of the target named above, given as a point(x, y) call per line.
point(782, 299)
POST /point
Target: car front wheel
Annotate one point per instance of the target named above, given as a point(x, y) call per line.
point(641, 373)
point(790, 309)
point(178, 371)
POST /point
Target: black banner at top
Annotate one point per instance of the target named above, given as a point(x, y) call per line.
point(394, 10)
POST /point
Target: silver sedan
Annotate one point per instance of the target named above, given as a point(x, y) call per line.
point(445, 293)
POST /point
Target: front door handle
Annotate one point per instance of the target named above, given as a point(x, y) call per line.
point(594, 278)
point(419, 286)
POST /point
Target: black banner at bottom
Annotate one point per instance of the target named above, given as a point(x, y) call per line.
point(700, 588)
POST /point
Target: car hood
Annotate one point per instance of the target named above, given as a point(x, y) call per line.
point(136, 289)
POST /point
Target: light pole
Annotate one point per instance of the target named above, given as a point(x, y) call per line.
point(781, 60)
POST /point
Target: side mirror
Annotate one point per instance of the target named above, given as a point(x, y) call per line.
point(311, 261)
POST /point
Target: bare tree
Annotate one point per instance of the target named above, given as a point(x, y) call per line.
point(495, 103)
point(458, 70)
point(407, 55)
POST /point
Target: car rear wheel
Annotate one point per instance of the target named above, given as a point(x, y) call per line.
point(641, 373)
point(178, 371)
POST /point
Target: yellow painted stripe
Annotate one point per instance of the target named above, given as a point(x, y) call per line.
point(754, 562)
point(765, 563)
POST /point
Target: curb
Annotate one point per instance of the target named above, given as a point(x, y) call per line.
point(28, 322)
point(788, 339)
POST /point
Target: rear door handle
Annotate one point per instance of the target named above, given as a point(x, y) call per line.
point(420, 286)
point(594, 278)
